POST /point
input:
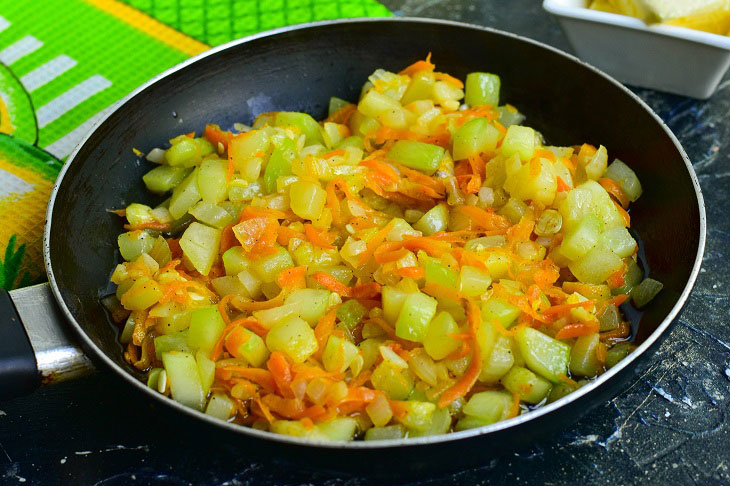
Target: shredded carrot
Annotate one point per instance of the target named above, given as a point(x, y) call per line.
point(616, 279)
point(577, 330)
point(323, 329)
point(331, 283)
point(619, 299)
point(228, 239)
point(261, 377)
point(562, 185)
point(249, 306)
point(375, 241)
point(488, 220)
point(281, 372)
point(343, 115)
point(322, 239)
point(215, 135)
point(448, 79)
point(285, 234)
point(411, 272)
point(419, 66)
point(334, 153)
point(615, 190)
point(467, 381)
point(292, 278)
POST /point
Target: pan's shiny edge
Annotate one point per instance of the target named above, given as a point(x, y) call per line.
point(421, 441)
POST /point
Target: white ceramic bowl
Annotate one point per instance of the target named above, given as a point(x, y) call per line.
point(673, 59)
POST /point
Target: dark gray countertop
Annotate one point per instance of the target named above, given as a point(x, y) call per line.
point(669, 426)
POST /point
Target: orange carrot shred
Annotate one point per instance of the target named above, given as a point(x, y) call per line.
point(467, 381)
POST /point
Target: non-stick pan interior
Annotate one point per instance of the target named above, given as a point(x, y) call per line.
point(299, 70)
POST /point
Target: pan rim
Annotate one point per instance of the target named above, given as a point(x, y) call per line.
point(408, 442)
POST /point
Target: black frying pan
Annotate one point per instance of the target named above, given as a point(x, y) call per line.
point(298, 69)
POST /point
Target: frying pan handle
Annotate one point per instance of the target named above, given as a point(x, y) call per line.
point(35, 347)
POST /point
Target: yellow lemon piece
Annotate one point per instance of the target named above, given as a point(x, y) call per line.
point(675, 9)
point(713, 22)
point(632, 8)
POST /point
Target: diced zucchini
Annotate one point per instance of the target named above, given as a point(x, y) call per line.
point(338, 428)
point(185, 195)
point(582, 237)
point(415, 315)
point(235, 260)
point(304, 122)
point(626, 178)
point(488, 406)
point(619, 240)
point(502, 311)
point(438, 272)
point(144, 293)
point(530, 387)
point(212, 180)
point(177, 341)
point(184, 378)
point(160, 251)
point(417, 414)
point(617, 352)
point(474, 137)
point(645, 291)
point(392, 298)
point(440, 423)
point(164, 178)
point(417, 155)
point(519, 140)
point(268, 267)
point(279, 163)
point(220, 406)
point(596, 265)
point(374, 104)
point(200, 244)
point(133, 243)
point(391, 432)
point(185, 153)
point(401, 229)
point(351, 313)
point(295, 428)
point(436, 219)
point(482, 89)
point(252, 349)
point(206, 369)
point(211, 214)
point(294, 337)
point(307, 199)
point(583, 357)
point(312, 303)
point(474, 281)
point(338, 354)
point(526, 183)
point(498, 362)
point(589, 198)
point(436, 341)
point(269, 317)
point(544, 355)
point(420, 88)
point(206, 327)
point(393, 381)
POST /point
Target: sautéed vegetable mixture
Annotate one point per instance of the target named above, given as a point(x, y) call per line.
point(416, 264)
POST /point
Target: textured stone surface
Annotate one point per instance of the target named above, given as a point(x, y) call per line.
point(668, 426)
